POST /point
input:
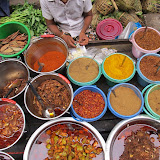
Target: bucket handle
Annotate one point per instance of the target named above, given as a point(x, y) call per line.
point(147, 88)
point(47, 36)
point(75, 117)
point(8, 100)
point(150, 114)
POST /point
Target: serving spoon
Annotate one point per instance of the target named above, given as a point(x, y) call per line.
point(48, 111)
point(16, 83)
point(41, 65)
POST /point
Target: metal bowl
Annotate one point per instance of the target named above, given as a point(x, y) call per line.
point(6, 156)
point(10, 70)
point(48, 124)
point(42, 45)
point(140, 119)
point(36, 81)
point(6, 101)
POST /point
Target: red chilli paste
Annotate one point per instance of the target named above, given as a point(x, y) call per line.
point(88, 104)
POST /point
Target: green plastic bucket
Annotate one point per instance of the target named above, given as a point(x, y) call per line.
point(8, 28)
point(84, 83)
point(147, 109)
point(111, 81)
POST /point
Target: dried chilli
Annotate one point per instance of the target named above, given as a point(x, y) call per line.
point(88, 104)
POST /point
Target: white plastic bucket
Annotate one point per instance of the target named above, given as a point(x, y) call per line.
point(138, 51)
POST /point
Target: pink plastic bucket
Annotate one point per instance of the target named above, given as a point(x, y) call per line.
point(138, 51)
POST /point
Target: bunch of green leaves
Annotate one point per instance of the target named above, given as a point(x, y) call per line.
point(28, 15)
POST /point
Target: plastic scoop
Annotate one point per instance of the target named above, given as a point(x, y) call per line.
point(157, 70)
point(48, 111)
point(16, 83)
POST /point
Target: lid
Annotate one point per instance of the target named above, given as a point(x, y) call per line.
point(109, 29)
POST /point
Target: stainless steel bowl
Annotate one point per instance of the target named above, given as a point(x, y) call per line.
point(36, 81)
point(6, 155)
point(10, 70)
point(12, 102)
point(42, 45)
point(140, 119)
point(50, 123)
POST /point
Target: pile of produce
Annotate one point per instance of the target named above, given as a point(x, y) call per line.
point(29, 16)
point(128, 10)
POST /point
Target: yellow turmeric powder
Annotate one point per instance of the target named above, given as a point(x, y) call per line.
point(115, 68)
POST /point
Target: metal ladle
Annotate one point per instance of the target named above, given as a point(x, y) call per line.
point(16, 83)
point(48, 112)
point(41, 65)
point(91, 61)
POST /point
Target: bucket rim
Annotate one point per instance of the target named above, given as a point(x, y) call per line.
point(147, 102)
point(139, 48)
point(28, 41)
point(116, 80)
point(120, 115)
point(139, 71)
point(84, 83)
point(28, 74)
point(38, 39)
point(24, 123)
point(80, 89)
point(46, 74)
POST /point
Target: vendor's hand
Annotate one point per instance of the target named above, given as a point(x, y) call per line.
point(69, 40)
point(83, 39)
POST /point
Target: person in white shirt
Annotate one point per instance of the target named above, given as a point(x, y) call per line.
point(68, 19)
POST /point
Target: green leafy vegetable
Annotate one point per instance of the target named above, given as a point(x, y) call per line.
point(29, 16)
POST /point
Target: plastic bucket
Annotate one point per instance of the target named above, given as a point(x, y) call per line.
point(111, 81)
point(137, 92)
point(84, 83)
point(142, 80)
point(138, 51)
point(148, 110)
point(8, 28)
point(93, 89)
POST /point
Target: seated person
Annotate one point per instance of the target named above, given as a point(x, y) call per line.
point(68, 19)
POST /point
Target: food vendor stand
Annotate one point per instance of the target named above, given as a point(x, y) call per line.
point(103, 125)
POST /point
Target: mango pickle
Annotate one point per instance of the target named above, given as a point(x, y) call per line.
point(77, 144)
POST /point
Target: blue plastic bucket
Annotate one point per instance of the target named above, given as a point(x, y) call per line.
point(111, 81)
point(84, 83)
point(137, 92)
point(142, 80)
point(93, 89)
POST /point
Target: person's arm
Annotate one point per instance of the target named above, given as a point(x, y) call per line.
point(67, 38)
point(83, 39)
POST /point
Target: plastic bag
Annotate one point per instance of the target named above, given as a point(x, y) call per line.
point(101, 54)
point(129, 29)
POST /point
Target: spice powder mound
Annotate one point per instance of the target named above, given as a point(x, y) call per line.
point(88, 104)
point(149, 40)
point(154, 101)
point(149, 66)
point(78, 71)
point(118, 66)
point(126, 102)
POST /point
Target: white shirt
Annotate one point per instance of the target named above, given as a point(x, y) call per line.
point(68, 16)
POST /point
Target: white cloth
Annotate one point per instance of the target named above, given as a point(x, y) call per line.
point(68, 16)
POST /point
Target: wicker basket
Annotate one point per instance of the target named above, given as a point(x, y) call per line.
point(127, 5)
point(151, 6)
point(125, 18)
point(95, 20)
point(104, 6)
